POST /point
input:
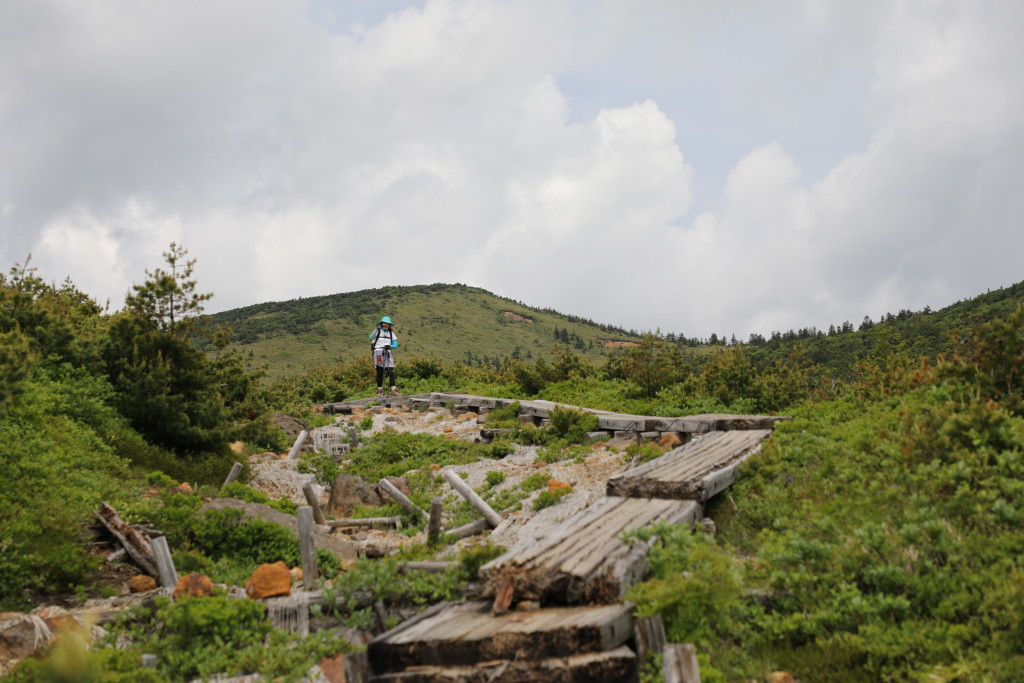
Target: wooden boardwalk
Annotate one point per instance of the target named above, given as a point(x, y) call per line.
point(695, 471)
point(576, 576)
point(462, 641)
point(584, 560)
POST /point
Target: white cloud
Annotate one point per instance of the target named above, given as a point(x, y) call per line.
point(539, 149)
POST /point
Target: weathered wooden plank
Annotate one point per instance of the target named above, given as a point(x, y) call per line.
point(471, 496)
point(680, 664)
point(399, 497)
point(615, 666)
point(584, 559)
point(350, 523)
point(694, 471)
point(137, 545)
point(465, 634)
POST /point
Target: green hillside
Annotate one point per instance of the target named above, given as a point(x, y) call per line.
point(454, 323)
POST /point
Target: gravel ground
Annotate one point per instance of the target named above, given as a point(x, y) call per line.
point(278, 478)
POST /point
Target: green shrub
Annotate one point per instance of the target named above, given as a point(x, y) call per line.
point(494, 478)
point(366, 423)
point(251, 495)
point(573, 425)
point(548, 498)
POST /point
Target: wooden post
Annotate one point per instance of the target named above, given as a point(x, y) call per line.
point(164, 563)
point(492, 517)
point(434, 527)
point(680, 664)
point(399, 497)
point(318, 513)
point(148, 661)
point(650, 637)
point(236, 469)
point(353, 436)
point(307, 548)
point(299, 440)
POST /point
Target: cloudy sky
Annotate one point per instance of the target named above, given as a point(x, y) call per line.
point(694, 166)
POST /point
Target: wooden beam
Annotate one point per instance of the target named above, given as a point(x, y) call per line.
point(307, 548)
point(349, 522)
point(318, 513)
point(400, 497)
point(456, 482)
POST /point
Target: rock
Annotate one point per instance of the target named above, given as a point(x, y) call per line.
point(554, 486)
point(195, 585)
point(292, 426)
point(781, 677)
point(269, 580)
point(434, 467)
point(333, 668)
point(185, 487)
point(296, 573)
point(140, 583)
point(400, 483)
point(237, 447)
point(670, 440)
point(347, 491)
point(466, 417)
point(22, 635)
point(448, 429)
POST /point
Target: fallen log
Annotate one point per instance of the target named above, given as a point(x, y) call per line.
point(136, 544)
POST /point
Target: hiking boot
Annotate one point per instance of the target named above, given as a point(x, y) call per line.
point(394, 391)
point(380, 391)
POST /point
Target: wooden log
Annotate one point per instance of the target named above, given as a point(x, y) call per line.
point(434, 526)
point(584, 559)
point(649, 634)
point(456, 482)
point(299, 440)
point(314, 504)
point(137, 545)
point(307, 548)
point(465, 633)
point(236, 469)
point(680, 664)
point(346, 523)
point(471, 529)
point(400, 497)
point(164, 563)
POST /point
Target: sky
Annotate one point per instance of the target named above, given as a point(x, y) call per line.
point(677, 165)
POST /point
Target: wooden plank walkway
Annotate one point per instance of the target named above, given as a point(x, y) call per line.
point(579, 572)
point(694, 471)
point(584, 559)
point(437, 643)
point(539, 409)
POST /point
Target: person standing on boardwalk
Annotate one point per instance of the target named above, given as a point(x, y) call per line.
point(382, 342)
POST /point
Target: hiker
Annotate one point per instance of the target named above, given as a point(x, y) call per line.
point(382, 341)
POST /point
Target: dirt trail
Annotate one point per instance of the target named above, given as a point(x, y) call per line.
point(279, 478)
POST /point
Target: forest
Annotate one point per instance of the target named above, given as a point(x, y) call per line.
point(877, 536)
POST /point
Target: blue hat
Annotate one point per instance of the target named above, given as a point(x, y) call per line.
point(386, 319)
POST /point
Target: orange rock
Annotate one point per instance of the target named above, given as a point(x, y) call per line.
point(554, 486)
point(540, 463)
point(466, 417)
point(196, 585)
point(448, 429)
point(434, 467)
point(670, 440)
point(269, 580)
point(184, 487)
point(781, 677)
point(140, 583)
point(296, 573)
point(237, 447)
point(333, 668)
